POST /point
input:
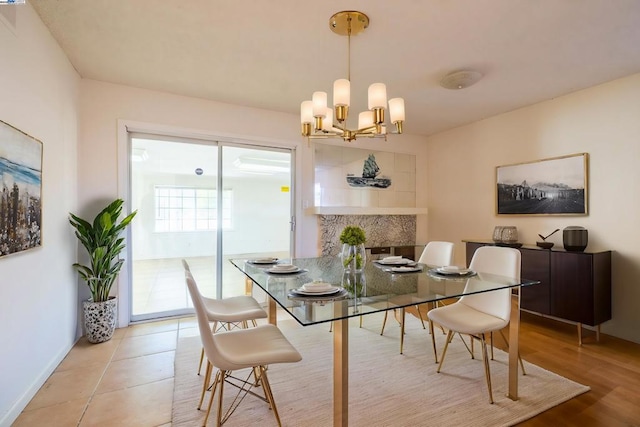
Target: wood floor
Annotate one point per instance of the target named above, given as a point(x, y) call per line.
point(611, 367)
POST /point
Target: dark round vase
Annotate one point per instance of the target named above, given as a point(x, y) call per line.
point(575, 238)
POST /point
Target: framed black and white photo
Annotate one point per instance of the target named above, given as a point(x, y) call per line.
point(21, 190)
point(554, 186)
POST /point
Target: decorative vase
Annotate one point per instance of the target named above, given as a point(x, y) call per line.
point(497, 233)
point(355, 283)
point(509, 234)
point(100, 319)
point(575, 238)
point(353, 257)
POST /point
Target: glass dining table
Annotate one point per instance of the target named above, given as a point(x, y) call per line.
point(377, 288)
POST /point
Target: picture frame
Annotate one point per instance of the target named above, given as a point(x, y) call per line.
point(20, 191)
point(552, 186)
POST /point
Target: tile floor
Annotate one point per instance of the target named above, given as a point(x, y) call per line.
point(126, 381)
point(158, 284)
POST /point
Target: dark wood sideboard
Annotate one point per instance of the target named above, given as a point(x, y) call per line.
point(574, 286)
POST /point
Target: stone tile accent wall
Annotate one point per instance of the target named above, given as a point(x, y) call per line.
point(381, 230)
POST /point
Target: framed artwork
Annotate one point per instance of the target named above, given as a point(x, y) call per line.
point(21, 190)
point(555, 186)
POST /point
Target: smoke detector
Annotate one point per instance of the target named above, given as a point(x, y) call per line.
point(460, 79)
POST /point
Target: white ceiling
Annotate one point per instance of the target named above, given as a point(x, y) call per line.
point(274, 54)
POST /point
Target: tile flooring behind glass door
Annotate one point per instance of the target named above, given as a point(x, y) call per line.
point(159, 283)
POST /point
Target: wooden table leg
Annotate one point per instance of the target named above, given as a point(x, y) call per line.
point(514, 331)
point(272, 311)
point(340, 371)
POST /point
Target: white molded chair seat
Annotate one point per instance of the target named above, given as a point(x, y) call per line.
point(435, 254)
point(481, 313)
point(233, 311)
point(246, 348)
point(238, 349)
point(467, 320)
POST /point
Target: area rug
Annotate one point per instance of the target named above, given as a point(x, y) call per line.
point(385, 387)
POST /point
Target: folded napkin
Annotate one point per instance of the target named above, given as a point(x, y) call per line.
point(392, 258)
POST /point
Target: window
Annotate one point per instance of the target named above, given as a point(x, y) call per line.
point(191, 209)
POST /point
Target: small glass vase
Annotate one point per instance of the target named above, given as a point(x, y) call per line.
point(356, 285)
point(353, 257)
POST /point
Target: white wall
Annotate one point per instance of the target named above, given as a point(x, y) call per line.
point(38, 288)
point(603, 121)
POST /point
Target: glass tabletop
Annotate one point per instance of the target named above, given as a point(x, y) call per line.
point(376, 288)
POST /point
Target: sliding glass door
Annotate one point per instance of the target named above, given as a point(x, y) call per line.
point(204, 202)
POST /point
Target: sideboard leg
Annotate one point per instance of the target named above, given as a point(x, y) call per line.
point(598, 333)
point(580, 334)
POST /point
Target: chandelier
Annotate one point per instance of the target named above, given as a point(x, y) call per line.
point(320, 121)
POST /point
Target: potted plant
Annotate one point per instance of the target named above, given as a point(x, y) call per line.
point(353, 252)
point(103, 242)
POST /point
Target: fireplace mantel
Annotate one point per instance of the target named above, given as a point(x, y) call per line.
point(358, 210)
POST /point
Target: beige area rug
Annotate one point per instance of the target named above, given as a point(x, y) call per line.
point(385, 388)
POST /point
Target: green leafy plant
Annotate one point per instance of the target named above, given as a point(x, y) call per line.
point(352, 235)
point(103, 243)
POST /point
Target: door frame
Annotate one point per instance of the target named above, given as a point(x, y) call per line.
point(124, 182)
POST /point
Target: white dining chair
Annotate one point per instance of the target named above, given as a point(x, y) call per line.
point(229, 313)
point(479, 314)
point(239, 349)
point(435, 254)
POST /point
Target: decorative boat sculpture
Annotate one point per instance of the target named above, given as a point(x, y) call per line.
point(369, 173)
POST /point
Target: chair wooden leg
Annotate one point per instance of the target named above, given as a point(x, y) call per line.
point(487, 371)
point(201, 360)
point(444, 351)
point(420, 316)
point(384, 322)
point(491, 339)
point(402, 316)
point(219, 378)
point(269, 394)
point(205, 383)
point(221, 374)
point(519, 358)
point(433, 341)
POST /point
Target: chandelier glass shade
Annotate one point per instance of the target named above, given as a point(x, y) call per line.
point(318, 120)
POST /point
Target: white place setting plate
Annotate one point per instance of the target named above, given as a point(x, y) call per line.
point(454, 271)
point(394, 261)
point(284, 269)
point(332, 291)
point(263, 261)
point(317, 286)
point(404, 269)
